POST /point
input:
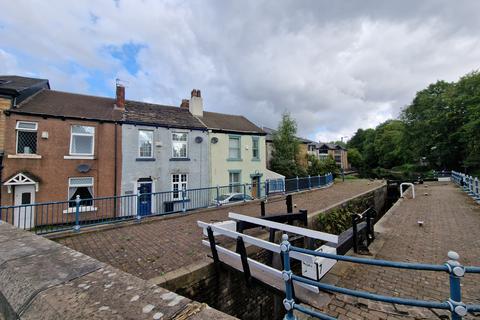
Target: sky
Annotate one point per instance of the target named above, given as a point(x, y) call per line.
point(335, 66)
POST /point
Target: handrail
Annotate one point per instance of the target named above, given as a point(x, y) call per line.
point(457, 308)
point(374, 262)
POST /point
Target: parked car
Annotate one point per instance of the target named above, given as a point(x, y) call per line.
point(231, 198)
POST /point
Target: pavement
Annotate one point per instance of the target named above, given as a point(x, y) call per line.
point(156, 247)
point(451, 222)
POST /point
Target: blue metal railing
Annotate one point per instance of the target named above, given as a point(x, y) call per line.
point(56, 216)
point(456, 271)
point(468, 183)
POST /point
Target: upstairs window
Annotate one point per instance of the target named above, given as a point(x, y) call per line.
point(179, 144)
point(83, 187)
point(145, 144)
point(82, 140)
point(179, 183)
point(255, 149)
point(234, 148)
point(26, 137)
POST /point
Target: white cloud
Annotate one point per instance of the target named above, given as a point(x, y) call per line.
point(335, 66)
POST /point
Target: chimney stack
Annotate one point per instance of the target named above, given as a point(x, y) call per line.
point(184, 104)
point(120, 96)
point(196, 103)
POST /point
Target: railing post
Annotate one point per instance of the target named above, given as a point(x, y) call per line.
point(456, 270)
point(288, 302)
point(138, 216)
point(218, 196)
point(245, 191)
point(319, 181)
point(354, 233)
point(184, 208)
point(477, 193)
point(298, 185)
point(76, 228)
point(309, 182)
point(267, 187)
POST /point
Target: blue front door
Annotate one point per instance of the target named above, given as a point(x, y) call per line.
point(145, 199)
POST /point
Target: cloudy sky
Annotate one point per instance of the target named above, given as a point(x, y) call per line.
point(334, 65)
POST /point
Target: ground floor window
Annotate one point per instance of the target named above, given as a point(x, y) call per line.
point(83, 187)
point(234, 182)
point(179, 182)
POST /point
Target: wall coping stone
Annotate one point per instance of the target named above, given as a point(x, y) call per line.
point(41, 279)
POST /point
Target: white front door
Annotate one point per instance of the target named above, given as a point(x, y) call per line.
point(24, 215)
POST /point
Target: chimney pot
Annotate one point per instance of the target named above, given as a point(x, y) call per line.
point(120, 97)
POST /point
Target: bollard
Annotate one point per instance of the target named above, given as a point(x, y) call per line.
point(288, 302)
point(76, 228)
point(262, 208)
point(289, 202)
point(456, 271)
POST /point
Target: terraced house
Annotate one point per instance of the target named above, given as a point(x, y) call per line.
point(56, 149)
point(237, 149)
point(165, 148)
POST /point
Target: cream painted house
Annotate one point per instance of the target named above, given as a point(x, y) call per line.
point(236, 149)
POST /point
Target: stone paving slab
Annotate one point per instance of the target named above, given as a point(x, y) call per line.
point(57, 282)
point(451, 222)
point(152, 249)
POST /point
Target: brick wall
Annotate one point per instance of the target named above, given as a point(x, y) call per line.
point(5, 104)
point(52, 170)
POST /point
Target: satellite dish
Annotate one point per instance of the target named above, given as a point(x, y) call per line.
point(198, 139)
point(214, 140)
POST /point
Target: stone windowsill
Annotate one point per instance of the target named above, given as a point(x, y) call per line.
point(24, 156)
point(79, 157)
point(179, 159)
point(145, 159)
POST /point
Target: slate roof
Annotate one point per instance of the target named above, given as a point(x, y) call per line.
point(331, 146)
point(69, 105)
point(229, 123)
point(17, 84)
point(161, 115)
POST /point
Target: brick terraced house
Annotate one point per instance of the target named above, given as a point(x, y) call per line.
point(56, 148)
point(60, 147)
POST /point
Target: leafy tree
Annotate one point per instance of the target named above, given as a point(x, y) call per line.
point(321, 167)
point(441, 126)
point(355, 158)
point(285, 149)
point(389, 143)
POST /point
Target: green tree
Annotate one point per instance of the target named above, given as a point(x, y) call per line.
point(355, 158)
point(321, 167)
point(285, 149)
point(389, 142)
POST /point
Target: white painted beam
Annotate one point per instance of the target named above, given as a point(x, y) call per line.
point(260, 271)
point(255, 241)
point(285, 227)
